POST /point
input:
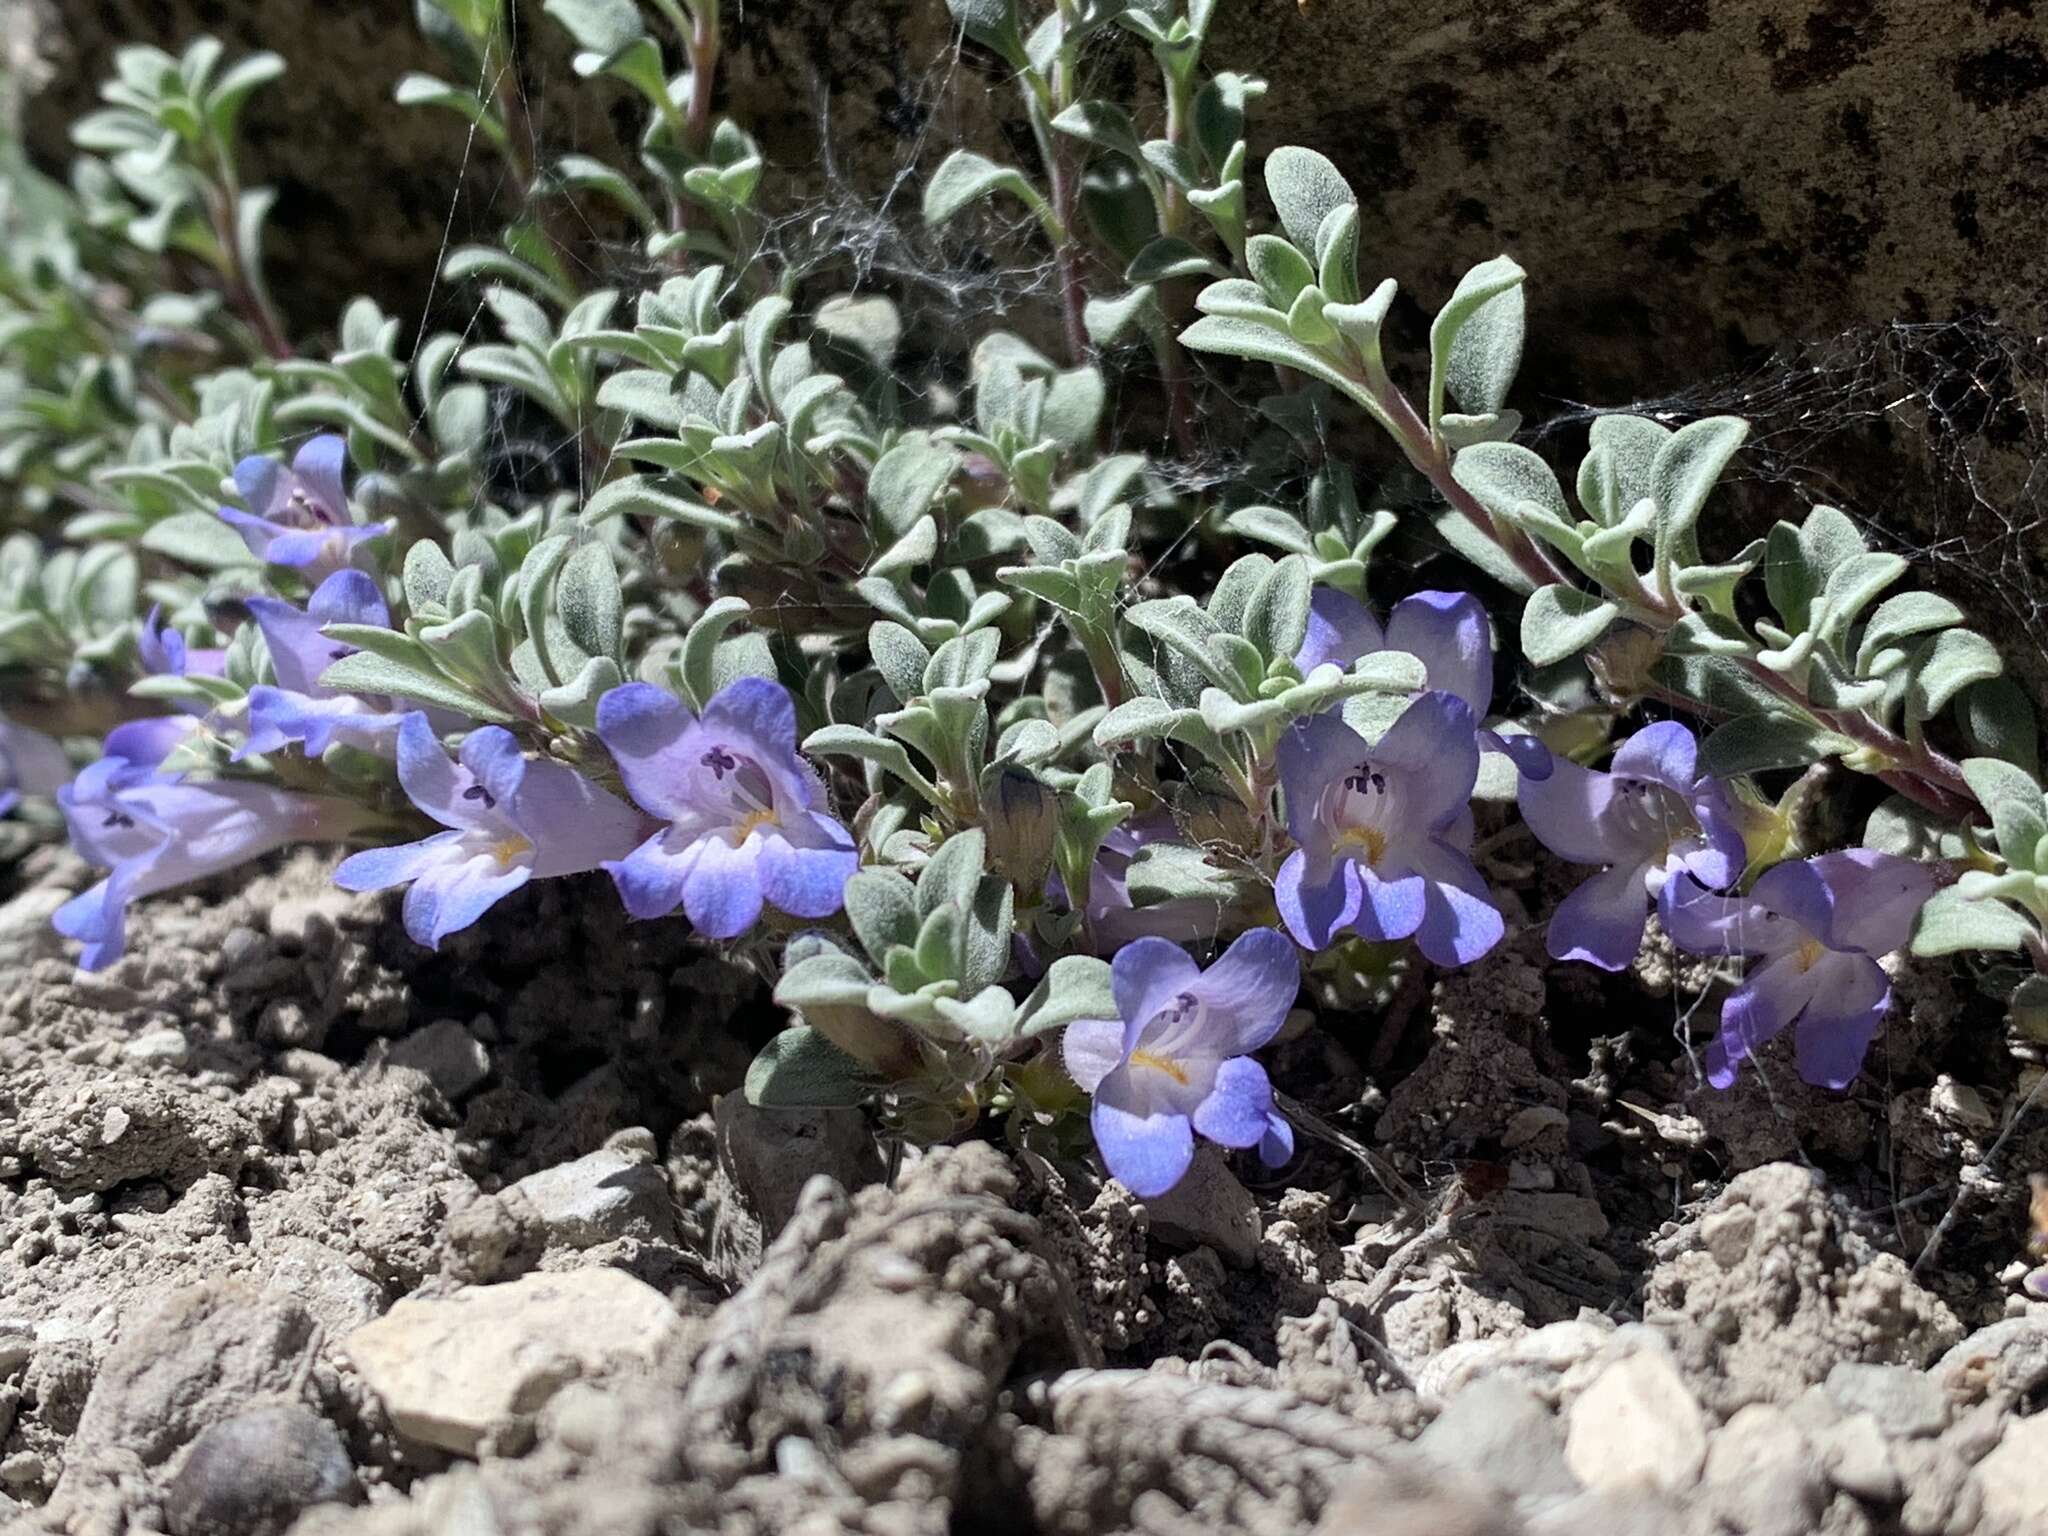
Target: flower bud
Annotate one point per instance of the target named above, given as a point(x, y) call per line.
point(1023, 818)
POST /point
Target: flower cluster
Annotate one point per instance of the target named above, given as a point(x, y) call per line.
point(953, 710)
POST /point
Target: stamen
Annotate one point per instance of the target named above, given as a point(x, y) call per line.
point(478, 792)
point(118, 819)
point(1166, 1064)
point(720, 762)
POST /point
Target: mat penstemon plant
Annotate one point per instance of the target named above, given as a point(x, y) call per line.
point(963, 712)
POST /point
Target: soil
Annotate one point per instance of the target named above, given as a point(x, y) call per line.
point(304, 1228)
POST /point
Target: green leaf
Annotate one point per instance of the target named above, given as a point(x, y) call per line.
point(575, 702)
point(697, 658)
point(1277, 619)
point(1951, 923)
point(882, 907)
point(800, 1068)
point(366, 672)
point(1140, 719)
point(603, 27)
point(639, 496)
point(1516, 486)
point(1952, 661)
point(1075, 987)
point(1280, 270)
point(890, 756)
point(1304, 187)
point(1901, 618)
point(906, 481)
point(1235, 336)
point(427, 575)
point(1687, 467)
point(900, 657)
point(1475, 343)
point(1560, 621)
point(198, 539)
point(1103, 124)
point(588, 599)
point(1269, 525)
point(2013, 800)
point(1762, 742)
point(1998, 717)
point(1618, 470)
point(966, 177)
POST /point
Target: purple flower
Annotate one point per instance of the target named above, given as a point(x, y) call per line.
point(1113, 919)
point(1446, 631)
point(509, 821)
point(299, 708)
point(1648, 818)
point(1178, 1062)
point(154, 831)
point(164, 652)
point(30, 764)
point(1814, 931)
point(740, 806)
point(146, 743)
point(299, 516)
point(1384, 833)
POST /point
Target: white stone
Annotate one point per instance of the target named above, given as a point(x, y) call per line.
point(608, 1193)
point(1638, 1423)
point(160, 1047)
point(452, 1370)
point(2013, 1479)
point(453, 1060)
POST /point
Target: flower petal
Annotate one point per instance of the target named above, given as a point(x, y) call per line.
point(1238, 1106)
point(1851, 996)
point(349, 597)
point(1276, 1147)
point(1707, 924)
point(1663, 752)
point(805, 874)
point(1769, 998)
point(450, 897)
point(300, 547)
point(757, 711)
point(1720, 855)
point(1145, 976)
point(1573, 814)
point(1460, 923)
point(1601, 922)
point(1340, 629)
point(1314, 754)
point(643, 726)
point(319, 465)
point(650, 878)
point(1434, 745)
point(1449, 634)
point(1092, 1049)
point(1877, 898)
point(378, 869)
point(430, 780)
point(1248, 992)
point(1149, 1154)
point(1390, 909)
point(1318, 903)
point(494, 760)
point(258, 479)
point(572, 824)
point(256, 532)
point(34, 763)
point(722, 887)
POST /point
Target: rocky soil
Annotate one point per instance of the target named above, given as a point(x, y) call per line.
point(304, 1228)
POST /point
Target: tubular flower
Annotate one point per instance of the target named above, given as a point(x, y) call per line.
point(164, 653)
point(155, 832)
point(1177, 1064)
point(509, 821)
point(1383, 833)
point(1653, 815)
point(1814, 931)
point(30, 764)
point(1446, 631)
point(743, 828)
point(300, 516)
point(299, 709)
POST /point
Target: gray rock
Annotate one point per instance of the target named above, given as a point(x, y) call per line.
point(1905, 1402)
point(1638, 1424)
point(2013, 1479)
point(1856, 1459)
point(453, 1370)
point(1208, 1208)
point(453, 1059)
point(604, 1195)
point(1498, 1429)
point(770, 1154)
point(2004, 1362)
point(251, 1475)
point(1761, 1477)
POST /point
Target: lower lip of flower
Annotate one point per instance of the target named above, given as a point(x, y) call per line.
point(748, 824)
point(509, 849)
point(1157, 1063)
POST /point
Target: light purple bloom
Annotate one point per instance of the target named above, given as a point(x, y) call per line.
point(1446, 631)
point(30, 764)
point(1178, 1063)
point(1651, 816)
point(146, 743)
point(299, 516)
point(164, 652)
point(741, 806)
point(1814, 930)
point(1384, 833)
point(1113, 919)
point(299, 709)
point(154, 831)
point(509, 821)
